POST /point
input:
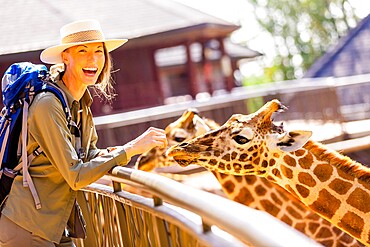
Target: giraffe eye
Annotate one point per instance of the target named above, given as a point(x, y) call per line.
point(241, 139)
point(179, 139)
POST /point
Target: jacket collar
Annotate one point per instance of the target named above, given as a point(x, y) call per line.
point(86, 98)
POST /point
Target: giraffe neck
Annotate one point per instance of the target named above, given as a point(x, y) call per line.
point(332, 185)
point(259, 193)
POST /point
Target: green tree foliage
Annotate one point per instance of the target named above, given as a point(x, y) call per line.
point(302, 30)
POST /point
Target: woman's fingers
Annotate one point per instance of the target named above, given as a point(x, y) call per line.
point(156, 131)
point(161, 140)
point(159, 136)
point(152, 137)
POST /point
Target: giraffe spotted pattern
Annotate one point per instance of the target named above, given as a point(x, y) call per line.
point(250, 190)
point(332, 185)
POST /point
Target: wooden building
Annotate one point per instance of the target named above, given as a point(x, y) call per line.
point(172, 50)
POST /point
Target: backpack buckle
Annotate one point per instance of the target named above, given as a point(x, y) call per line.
point(36, 152)
point(9, 172)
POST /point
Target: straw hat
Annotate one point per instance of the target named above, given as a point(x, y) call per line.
point(77, 33)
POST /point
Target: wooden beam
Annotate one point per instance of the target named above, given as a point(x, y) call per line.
point(225, 63)
point(191, 72)
point(156, 77)
point(207, 69)
point(352, 145)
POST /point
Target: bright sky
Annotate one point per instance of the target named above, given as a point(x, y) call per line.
point(240, 12)
point(235, 11)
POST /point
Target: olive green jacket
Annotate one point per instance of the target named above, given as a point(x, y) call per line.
point(58, 172)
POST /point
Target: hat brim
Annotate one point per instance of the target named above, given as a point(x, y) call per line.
point(52, 55)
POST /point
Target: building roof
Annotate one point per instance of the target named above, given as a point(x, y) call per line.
point(34, 24)
point(177, 55)
point(351, 56)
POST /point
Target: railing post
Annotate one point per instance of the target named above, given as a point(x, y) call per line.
point(205, 227)
point(117, 187)
point(157, 201)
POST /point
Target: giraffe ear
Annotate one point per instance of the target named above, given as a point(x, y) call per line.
point(201, 126)
point(294, 140)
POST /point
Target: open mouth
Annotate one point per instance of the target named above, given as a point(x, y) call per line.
point(277, 128)
point(90, 71)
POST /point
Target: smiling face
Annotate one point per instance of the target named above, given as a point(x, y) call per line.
point(84, 63)
point(242, 145)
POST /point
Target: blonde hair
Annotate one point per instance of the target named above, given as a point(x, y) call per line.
point(104, 85)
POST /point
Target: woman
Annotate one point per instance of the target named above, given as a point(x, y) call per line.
point(66, 165)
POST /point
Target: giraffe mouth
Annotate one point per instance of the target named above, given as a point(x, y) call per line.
point(277, 128)
point(182, 157)
point(184, 160)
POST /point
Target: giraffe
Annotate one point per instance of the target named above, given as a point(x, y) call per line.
point(252, 191)
point(188, 126)
point(332, 185)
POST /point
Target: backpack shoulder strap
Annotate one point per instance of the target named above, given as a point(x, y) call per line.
point(53, 88)
point(26, 160)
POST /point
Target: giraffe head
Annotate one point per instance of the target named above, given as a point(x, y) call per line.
point(243, 144)
point(188, 126)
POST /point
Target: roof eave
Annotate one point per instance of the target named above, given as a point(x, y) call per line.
point(204, 31)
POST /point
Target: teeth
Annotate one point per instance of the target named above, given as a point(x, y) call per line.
point(91, 69)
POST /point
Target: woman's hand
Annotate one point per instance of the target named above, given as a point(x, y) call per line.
point(152, 137)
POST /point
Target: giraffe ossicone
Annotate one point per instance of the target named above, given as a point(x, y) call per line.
point(332, 185)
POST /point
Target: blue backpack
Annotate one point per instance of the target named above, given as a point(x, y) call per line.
point(20, 83)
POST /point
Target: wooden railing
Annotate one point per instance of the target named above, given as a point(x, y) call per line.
point(120, 218)
point(174, 214)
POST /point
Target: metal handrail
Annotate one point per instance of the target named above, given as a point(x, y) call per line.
point(246, 224)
